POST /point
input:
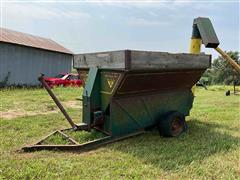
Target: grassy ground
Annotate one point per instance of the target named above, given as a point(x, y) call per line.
point(210, 149)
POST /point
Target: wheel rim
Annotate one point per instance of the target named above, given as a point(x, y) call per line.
point(177, 126)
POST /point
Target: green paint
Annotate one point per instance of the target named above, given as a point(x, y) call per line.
point(126, 113)
point(108, 86)
point(207, 32)
point(134, 113)
point(91, 96)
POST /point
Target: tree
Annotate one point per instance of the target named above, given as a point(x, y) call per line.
point(222, 72)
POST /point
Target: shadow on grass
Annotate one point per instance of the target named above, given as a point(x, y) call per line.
point(201, 141)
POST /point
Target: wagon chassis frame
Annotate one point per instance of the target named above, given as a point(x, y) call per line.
point(75, 146)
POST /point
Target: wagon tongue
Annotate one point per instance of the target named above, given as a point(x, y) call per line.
point(57, 102)
point(74, 126)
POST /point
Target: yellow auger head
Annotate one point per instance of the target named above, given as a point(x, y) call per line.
point(204, 33)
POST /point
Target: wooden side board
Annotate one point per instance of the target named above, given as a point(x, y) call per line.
point(142, 60)
point(162, 60)
point(106, 60)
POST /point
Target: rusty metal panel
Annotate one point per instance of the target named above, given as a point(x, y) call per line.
point(14, 37)
point(145, 82)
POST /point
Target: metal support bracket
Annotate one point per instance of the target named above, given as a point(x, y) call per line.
point(75, 146)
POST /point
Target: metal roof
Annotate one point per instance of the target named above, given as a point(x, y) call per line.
point(14, 37)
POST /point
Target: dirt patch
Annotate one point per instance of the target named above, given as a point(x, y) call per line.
point(73, 104)
point(11, 114)
point(15, 113)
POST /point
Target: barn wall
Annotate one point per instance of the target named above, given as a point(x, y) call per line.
point(25, 63)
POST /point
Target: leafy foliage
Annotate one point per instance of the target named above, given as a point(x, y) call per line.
point(222, 72)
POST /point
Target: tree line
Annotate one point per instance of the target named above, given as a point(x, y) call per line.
point(221, 72)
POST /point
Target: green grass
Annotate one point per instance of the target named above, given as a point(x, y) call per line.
point(79, 136)
point(83, 136)
point(35, 99)
point(56, 139)
point(209, 150)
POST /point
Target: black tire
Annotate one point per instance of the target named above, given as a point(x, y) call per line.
point(172, 125)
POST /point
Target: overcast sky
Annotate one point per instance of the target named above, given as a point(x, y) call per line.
point(113, 25)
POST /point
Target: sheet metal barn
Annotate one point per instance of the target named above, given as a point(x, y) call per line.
point(23, 57)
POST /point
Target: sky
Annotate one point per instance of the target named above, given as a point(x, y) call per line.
point(93, 26)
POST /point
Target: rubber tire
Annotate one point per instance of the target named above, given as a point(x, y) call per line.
point(165, 124)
